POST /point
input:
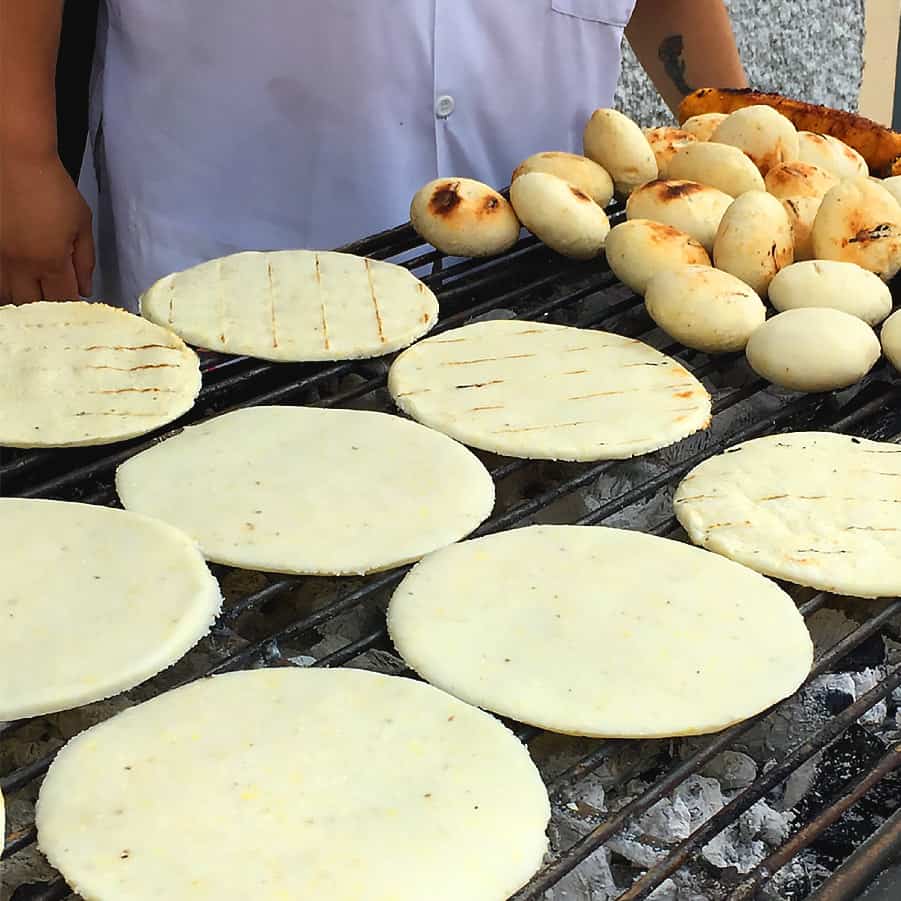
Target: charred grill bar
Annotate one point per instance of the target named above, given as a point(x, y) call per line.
point(532, 283)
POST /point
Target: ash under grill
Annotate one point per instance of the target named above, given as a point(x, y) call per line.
point(796, 803)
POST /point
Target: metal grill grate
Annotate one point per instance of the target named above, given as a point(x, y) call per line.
point(533, 284)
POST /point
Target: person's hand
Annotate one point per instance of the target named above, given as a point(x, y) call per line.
point(46, 245)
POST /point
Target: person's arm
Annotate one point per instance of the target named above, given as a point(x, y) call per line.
point(46, 248)
point(684, 45)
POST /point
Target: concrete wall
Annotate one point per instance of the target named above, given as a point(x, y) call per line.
point(809, 49)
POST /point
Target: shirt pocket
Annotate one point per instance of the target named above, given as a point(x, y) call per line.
point(608, 12)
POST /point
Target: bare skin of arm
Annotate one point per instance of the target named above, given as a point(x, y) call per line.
point(684, 45)
point(46, 247)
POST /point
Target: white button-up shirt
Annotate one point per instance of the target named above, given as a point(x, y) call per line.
point(225, 125)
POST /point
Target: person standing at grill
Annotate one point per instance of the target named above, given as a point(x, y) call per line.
point(225, 125)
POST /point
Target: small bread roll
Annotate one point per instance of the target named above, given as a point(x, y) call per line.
point(704, 125)
point(831, 154)
point(893, 186)
point(801, 188)
point(764, 134)
point(615, 142)
point(859, 222)
point(561, 215)
point(580, 171)
point(891, 339)
point(693, 208)
point(704, 308)
point(665, 141)
point(754, 240)
point(464, 218)
point(638, 249)
point(828, 283)
point(721, 166)
point(813, 349)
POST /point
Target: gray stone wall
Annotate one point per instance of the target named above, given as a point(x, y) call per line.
point(809, 49)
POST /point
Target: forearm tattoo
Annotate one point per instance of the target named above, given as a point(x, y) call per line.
point(670, 54)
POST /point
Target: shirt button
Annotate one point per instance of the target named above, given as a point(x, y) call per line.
point(444, 106)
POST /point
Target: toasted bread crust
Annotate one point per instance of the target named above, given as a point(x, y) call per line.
point(878, 145)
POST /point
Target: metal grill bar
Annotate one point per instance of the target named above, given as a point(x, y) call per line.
point(738, 805)
point(802, 839)
point(534, 284)
point(869, 859)
point(565, 863)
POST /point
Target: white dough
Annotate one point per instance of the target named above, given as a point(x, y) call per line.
point(548, 392)
point(687, 206)
point(293, 784)
point(601, 632)
point(859, 222)
point(817, 508)
point(754, 240)
point(464, 217)
point(891, 339)
point(813, 349)
point(721, 166)
point(294, 305)
point(704, 308)
point(638, 249)
point(703, 125)
point(75, 373)
point(830, 283)
point(831, 154)
point(560, 214)
point(93, 601)
point(764, 134)
point(615, 142)
point(665, 141)
point(580, 171)
point(310, 491)
point(801, 188)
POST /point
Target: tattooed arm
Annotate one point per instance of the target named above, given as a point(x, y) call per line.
point(684, 45)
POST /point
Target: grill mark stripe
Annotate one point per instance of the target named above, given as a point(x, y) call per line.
point(136, 368)
point(487, 359)
point(126, 347)
point(153, 390)
point(324, 318)
point(375, 303)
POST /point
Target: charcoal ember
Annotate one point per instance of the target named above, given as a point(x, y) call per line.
point(842, 762)
point(863, 682)
point(801, 782)
point(770, 825)
point(378, 661)
point(28, 867)
point(732, 769)
point(640, 853)
point(828, 627)
point(793, 882)
point(799, 717)
point(554, 754)
point(892, 654)
point(592, 880)
point(745, 843)
point(869, 653)
point(667, 821)
point(629, 474)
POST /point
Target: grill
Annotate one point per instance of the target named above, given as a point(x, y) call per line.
point(844, 831)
